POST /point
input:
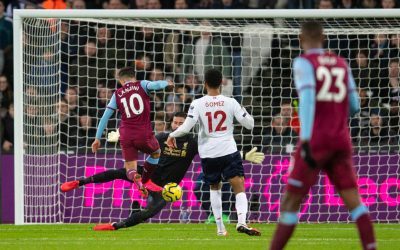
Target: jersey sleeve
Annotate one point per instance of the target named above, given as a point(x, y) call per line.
point(354, 99)
point(242, 116)
point(193, 112)
point(156, 85)
point(190, 121)
point(111, 107)
point(103, 122)
point(303, 71)
point(304, 79)
point(113, 103)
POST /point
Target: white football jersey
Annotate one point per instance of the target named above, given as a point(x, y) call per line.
point(215, 115)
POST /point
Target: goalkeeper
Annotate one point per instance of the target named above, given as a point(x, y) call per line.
point(172, 167)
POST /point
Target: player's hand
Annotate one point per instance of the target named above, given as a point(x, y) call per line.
point(113, 136)
point(171, 142)
point(254, 156)
point(96, 145)
point(7, 146)
point(170, 86)
point(305, 153)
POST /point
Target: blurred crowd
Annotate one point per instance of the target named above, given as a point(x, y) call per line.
point(252, 66)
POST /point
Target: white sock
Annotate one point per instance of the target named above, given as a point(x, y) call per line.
point(241, 207)
point(216, 205)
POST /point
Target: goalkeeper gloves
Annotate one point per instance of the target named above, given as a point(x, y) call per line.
point(306, 155)
point(254, 156)
point(113, 136)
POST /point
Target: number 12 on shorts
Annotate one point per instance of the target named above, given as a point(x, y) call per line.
point(221, 116)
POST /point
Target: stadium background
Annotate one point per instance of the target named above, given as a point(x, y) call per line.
point(373, 62)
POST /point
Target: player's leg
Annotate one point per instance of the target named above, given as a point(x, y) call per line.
point(343, 177)
point(216, 206)
point(102, 177)
point(288, 220)
point(130, 155)
point(134, 176)
point(155, 203)
point(299, 183)
point(241, 205)
point(150, 165)
point(234, 172)
point(149, 146)
point(359, 214)
point(228, 201)
point(212, 175)
point(202, 193)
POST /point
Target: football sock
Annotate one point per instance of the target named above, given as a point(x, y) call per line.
point(364, 225)
point(130, 174)
point(149, 166)
point(241, 207)
point(216, 205)
point(105, 176)
point(284, 230)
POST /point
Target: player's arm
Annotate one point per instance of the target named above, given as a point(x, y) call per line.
point(190, 121)
point(111, 107)
point(354, 99)
point(242, 116)
point(149, 86)
point(304, 79)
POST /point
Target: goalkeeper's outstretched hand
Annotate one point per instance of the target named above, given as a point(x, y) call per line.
point(113, 136)
point(254, 156)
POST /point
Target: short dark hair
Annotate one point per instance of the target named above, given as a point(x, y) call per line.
point(180, 114)
point(213, 78)
point(126, 72)
point(312, 29)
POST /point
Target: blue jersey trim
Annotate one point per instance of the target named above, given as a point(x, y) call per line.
point(304, 79)
point(112, 104)
point(156, 85)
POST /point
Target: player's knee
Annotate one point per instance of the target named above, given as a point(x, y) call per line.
point(237, 184)
point(215, 186)
point(238, 188)
point(156, 154)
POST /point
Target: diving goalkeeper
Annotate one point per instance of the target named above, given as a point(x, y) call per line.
point(172, 167)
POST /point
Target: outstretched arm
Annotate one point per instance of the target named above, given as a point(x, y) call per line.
point(242, 116)
point(305, 82)
point(111, 107)
point(184, 128)
point(155, 85)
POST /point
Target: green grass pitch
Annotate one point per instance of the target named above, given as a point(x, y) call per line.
point(186, 236)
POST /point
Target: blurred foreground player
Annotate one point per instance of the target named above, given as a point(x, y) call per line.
point(328, 95)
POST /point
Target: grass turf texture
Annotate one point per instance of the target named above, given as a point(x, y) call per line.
point(186, 236)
